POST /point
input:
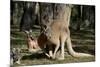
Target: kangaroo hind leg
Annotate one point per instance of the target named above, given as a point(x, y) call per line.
point(56, 49)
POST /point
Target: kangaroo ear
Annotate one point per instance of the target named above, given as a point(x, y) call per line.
point(30, 31)
point(27, 32)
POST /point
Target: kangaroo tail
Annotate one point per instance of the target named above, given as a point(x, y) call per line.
point(73, 53)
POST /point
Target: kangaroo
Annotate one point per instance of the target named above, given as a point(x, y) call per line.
point(31, 42)
point(60, 29)
point(60, 33)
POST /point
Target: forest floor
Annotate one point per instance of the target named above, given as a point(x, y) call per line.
point(83, 41)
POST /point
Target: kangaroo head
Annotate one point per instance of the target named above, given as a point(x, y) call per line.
point(29, 34)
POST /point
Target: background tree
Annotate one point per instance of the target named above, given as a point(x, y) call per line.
point(82, 16)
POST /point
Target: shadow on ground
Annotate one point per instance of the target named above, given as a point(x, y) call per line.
point(34, 56)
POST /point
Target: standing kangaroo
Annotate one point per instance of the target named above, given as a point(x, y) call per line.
point(57, 31)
